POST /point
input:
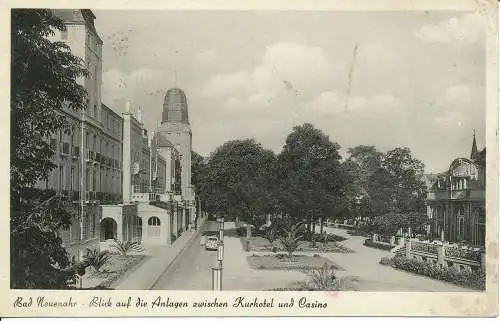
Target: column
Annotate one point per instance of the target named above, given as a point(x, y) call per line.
point(440, 255)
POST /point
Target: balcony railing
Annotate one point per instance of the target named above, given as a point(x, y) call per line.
point(437, 195)
point(460, 194)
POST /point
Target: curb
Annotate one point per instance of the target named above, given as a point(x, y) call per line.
point(188, 243)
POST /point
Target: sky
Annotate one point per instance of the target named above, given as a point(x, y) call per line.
point(382, 78)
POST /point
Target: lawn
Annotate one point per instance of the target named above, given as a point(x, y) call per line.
point(284, 262)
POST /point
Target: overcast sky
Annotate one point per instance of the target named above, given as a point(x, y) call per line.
point(417, 77)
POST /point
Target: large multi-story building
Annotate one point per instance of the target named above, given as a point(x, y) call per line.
point(115, 174)
point(456, 200)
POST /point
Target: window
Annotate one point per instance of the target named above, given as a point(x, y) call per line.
point(154, 221)
point(61, 177)
point(95, 112)
point(72, 178)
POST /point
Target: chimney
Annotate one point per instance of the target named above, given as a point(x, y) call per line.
point(127, 107)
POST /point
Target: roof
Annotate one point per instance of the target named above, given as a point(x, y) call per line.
point(175, 106)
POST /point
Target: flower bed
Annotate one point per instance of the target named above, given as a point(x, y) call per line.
point(330, 237)
point(424, 247)
point(260, 244)
point(380, 246)
point(465, 254)
point(284, 262)
point(113, 271)
point(472, 280)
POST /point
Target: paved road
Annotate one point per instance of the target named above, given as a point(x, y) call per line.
point(192, 270)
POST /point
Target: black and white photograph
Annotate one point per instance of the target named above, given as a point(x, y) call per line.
point(251, 150)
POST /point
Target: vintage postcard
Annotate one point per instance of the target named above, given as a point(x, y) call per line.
point(250, 159)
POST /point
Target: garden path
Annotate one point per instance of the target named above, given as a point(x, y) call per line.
point(364, 264)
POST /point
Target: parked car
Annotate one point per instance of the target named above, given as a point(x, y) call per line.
point(211, 242)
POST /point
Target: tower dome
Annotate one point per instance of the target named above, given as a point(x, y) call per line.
point(175, 107)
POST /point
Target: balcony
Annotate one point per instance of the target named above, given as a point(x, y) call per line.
point(75, 152)
point(65, 149)
point(477, 195)
point(90, 156)
point(460, 194)
point(435, 195)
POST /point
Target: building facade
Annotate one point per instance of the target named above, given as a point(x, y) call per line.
point(123, 183)
point(456, 200)
point(82, 174)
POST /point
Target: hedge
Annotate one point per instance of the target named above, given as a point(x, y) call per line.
point(472, 280)
point(381, 246)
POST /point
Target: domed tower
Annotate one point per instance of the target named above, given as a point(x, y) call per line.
point(175, 108)
point(175, 127)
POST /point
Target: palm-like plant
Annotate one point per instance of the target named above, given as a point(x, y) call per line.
point(290, 240)
point(324, 279)
point(96, 259)
point(124, 248)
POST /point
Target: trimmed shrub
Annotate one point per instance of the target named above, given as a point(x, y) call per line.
point(473, 280)
point(386, 260)
point(380, 246)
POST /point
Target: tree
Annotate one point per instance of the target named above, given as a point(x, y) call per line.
point(43, 82)
point(405, 173)
point(238, 180)
point(312, 181)
point(198, 166)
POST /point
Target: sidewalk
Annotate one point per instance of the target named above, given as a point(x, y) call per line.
point(162, 257)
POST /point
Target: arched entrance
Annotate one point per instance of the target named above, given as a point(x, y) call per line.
point(108, 229)
point(154, 226)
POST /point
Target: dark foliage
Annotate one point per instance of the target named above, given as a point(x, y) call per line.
point(43, 83)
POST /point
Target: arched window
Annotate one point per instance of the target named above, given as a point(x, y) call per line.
point(154, 221)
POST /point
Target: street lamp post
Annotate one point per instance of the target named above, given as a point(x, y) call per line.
point(217, 271)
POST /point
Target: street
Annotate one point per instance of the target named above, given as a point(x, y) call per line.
point(192, 269)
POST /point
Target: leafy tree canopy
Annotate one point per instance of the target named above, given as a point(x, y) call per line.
point(44, 77)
